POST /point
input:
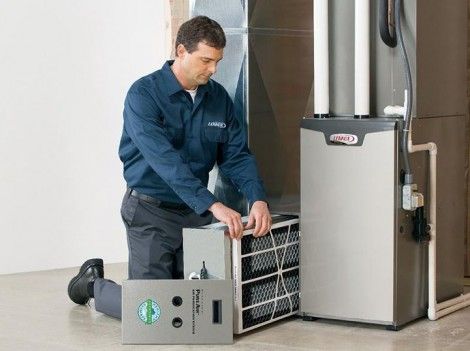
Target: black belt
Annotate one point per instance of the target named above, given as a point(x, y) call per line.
point(161, 204)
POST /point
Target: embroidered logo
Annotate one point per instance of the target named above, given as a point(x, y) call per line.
point(217, 124)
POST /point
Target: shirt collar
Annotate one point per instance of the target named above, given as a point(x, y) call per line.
point(173, 84)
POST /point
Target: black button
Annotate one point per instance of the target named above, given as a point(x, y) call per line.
point(177, 322)
point(177, 301)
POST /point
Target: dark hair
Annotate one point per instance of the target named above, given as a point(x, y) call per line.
point(200, 29)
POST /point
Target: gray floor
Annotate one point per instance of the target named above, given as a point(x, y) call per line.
point(35, 314)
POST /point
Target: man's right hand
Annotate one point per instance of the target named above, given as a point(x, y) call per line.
point(231, 218)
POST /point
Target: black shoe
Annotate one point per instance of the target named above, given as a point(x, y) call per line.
point(78, 286)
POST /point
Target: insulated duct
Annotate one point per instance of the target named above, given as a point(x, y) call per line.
point(321, 57)
point(362, 59)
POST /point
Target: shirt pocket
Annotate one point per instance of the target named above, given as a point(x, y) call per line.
point(216, 135)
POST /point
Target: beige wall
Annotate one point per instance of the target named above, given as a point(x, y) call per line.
point(179, 14)
point(64, 73)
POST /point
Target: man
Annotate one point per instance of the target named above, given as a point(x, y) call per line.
point(177, 124)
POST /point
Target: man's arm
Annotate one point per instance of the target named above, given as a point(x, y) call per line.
point(145, 128)
point(237, 163)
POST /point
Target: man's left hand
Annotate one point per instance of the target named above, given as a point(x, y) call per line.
point(260, 218)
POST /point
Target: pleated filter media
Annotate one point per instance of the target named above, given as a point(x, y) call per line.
point(265, 270)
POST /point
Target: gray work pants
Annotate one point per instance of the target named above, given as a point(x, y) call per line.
point(155, 243)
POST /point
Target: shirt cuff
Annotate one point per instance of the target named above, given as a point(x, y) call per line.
point(256, 193)
point(203, 202)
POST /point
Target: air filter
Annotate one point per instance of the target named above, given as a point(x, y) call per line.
point(265, 270)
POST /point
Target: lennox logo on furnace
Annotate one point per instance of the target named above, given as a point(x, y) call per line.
point(347, 139)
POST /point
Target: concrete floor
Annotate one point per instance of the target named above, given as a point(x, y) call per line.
point(36, 314)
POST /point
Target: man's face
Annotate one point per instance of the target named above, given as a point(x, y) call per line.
point(201, 64)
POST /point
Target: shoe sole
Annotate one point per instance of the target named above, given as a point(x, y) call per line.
point(83, 268)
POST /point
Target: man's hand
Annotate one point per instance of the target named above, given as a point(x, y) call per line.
point(232, 218)
point(260, 218)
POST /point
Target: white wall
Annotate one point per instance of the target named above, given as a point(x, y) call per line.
point(65, 67)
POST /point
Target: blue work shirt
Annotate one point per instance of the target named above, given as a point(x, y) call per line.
point(170, 144)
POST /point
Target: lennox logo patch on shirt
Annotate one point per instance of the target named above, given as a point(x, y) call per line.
point(217, 124)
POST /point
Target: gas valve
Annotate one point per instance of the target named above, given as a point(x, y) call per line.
point(420, 226)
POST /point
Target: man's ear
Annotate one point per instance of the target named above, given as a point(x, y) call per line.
point(180, 51)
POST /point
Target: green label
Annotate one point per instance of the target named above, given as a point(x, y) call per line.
point(149, 311)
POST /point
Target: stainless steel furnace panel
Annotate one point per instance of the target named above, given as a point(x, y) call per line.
point(354, 233)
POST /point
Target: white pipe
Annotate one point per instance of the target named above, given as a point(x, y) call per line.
point(435, 310)
point(451, 302)
point(436, 315)
point(361, 57)
point(320, 57)
point(396, 109)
